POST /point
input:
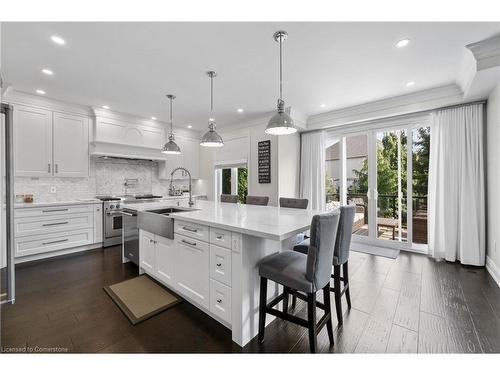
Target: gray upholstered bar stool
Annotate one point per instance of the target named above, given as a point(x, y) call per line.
point(294, 203)
point(257, 201)
point(302, 276)
point(340, 258)
point(228, 198)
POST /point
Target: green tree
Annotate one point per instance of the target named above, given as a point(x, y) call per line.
point(242, 184)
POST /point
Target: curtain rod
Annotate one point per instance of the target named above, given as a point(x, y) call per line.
point(396, 116)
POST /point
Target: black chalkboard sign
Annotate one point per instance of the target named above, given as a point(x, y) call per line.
point(264, 162)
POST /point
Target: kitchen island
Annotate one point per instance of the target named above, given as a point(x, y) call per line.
point(213, 254)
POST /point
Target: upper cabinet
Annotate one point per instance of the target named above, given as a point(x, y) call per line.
point(189, 159)
point(32, 142)
point(71, 145)
point(115, 130)
point(48, 143)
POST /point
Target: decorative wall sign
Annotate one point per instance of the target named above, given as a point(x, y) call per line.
point(264, 162)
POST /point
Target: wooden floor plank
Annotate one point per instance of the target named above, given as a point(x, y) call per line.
point(408, 309)
point(402, 340)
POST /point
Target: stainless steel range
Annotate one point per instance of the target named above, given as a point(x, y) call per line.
point(112, 215)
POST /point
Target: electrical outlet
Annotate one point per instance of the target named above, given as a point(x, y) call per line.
point(53, 189)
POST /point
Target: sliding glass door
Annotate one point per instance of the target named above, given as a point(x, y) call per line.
point(383, 170)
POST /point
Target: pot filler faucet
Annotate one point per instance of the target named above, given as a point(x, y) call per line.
point(191, 203)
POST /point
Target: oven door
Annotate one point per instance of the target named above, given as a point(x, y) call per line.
point(113, 224)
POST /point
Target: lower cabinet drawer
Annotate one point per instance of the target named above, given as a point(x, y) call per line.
point(34, 225)
point(30, 245)
point(196, 231)
point(220, 237)
point(220, 300)
point(220, 264)
point(53, 210)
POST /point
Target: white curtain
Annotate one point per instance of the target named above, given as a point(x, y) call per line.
point(456, 209)
point(312, 169)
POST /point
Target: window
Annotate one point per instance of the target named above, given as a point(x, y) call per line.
point(232, 180)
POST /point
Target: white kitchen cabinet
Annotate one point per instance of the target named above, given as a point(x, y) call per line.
point(189, 158)
point(193, 259)
point(98, 224)
point(50, 143)
point(166, 256)
point(147, 253)
point(220, 264)
point(32, 142)
point(220, 300)
point(71, 145)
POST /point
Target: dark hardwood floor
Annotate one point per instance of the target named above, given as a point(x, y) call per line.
point(408, 305)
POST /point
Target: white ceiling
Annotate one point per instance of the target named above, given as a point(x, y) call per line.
point(131, 66)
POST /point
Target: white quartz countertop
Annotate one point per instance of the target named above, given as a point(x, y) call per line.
point(274, 223)
point(58, 203)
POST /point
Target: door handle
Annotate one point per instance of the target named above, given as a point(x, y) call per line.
point(220, 237)
point(189, 229)
point(189, 242)
point(56, 210)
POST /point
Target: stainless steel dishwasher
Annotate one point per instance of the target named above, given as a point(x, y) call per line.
point(130, 233)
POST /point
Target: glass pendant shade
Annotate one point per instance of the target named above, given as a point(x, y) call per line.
point(211, 138)
point(171, 147)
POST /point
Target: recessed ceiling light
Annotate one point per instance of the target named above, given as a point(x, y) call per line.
point(47, 71)
point(240, 110)
point(105, 107)
point(322, 105)
point(153, 118)
point(402, 43)
point(190, 126)
point(58, 40)
point(411, 83)
point(41, 92)
point(211, 119)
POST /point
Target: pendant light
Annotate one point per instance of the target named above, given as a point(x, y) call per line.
point(211, 138)
point(281, 123)
point(171, 147)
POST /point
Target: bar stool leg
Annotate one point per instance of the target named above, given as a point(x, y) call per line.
point(294, 301)
point(311, 317)
point(345, 274)
point(285, 300)
point(262, 308)
point(336, 289)
point(328, 306)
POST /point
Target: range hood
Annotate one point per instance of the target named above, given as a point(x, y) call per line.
point(116, 150)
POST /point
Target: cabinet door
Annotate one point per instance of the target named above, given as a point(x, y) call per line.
point(32, 142)
point(165, 260)
point(98, 224)
point(71, 145)
point(147, 251)
point(194, 262)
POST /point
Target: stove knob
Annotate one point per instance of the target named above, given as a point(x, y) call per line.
point(117, 206)
point(112, 206)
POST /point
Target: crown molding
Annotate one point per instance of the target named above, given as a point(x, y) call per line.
point(394, 106)
point(486, 52)
point(14, 96)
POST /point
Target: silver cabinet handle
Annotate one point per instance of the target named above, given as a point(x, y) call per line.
point(220, 237)
point(128, 213)
point(219, 264)
point(60, 223)
point(189, 229)
point(189, 242)
point(56, 210)
point(57, 168)
point(50, 242)
point(219, 300)
point(48, 165)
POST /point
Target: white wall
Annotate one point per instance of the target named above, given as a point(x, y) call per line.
point(493, 178)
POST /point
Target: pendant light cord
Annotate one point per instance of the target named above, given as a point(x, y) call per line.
point(171, 117)
point(211, 93)
point(281, 69)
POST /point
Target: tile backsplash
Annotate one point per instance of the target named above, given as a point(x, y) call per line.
point(107, 177)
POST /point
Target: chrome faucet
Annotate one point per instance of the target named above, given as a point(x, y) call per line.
point(191, 203)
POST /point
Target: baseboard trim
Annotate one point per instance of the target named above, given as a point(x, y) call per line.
point(52, 254)
point(493, 270)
